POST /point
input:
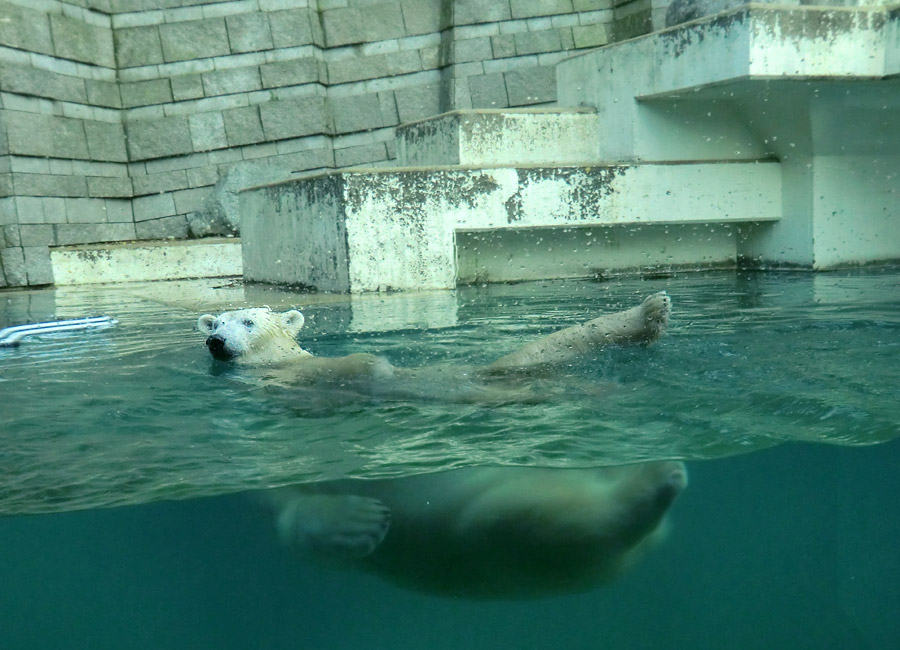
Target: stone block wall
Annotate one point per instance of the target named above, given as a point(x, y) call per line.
point(118, 117)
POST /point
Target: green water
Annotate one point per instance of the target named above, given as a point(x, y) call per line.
point(139, 412)
point(777, 388)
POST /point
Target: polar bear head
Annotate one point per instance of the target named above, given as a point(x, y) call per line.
point(253, 336)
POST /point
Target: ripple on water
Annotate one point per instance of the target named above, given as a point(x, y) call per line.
point(138, 413)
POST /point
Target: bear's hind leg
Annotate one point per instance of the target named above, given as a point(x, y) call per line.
point(641, 324)
point(337, 526)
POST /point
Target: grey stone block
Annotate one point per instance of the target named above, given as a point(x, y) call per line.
point(530, 8)
point(382, 21)
point(219, 212)
point(8, 211)
point(108, 186)
point(76, 39)
point(189, 86)
point(85, 210)
point(146, 93)
point(54, 209)
point(202, 176)
point(154, 206)
point(37, 235)
point(148, 139)
point(356, 113)
point(389, 114)
point(49, 185)
point(42, 83)
point(13, 261)
point(233, 80)
point(592, 5)
point(158, 183)
point(249, 32)
point(86, 233)
point(471, 12)
point(30, 134)
point(488, 91)
point(207, 131)
point(29, 209)
point(11, 237)
point(503, 46)
point(191, 200)
point(342, 26)
point(470, 49)
point(194, 39)
point(633, 24)
point(537, 42)
point(531, 86)
point(421, 16)
point(37, 265)
point(418, 102)
point(360, 155)
point(243, 126)
point(371, 67)
point(119, 211)
point(357, 69)
point(167, 228)
point(294, 118)
point(289, 73)
point(291, 27)
point(257, 151)
point(590, 35)
point(321, 158)
point(103, 93)
point(25, 29)
point(138, 46)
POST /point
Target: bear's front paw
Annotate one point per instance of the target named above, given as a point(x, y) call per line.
point(345, 526)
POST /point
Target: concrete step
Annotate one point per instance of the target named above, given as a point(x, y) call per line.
point(146, 261)
point(401, 229)
point(817, 88)
point(507, 137)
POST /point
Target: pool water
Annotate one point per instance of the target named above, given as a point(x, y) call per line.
point(776, 388)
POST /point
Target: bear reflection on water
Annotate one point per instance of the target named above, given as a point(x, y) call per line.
point(489, 532)
point(486, 532)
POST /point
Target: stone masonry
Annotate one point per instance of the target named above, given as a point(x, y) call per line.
point(118, 117)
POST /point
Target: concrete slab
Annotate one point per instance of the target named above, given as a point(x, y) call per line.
point(146, 261)
point(815, 88)
point(500, 137)
point(395, 229)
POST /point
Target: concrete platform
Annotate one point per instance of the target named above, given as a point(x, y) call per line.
point(396, 229)
point(146, 261)
point(815, 88)
point(508, 137)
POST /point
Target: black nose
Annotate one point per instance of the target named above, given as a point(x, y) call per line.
point(216, 345)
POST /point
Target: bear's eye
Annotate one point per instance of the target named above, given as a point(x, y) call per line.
point(248, 323)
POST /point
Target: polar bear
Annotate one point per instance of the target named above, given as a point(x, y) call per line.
point(261, 337)
point(486, 532)
point(481, 532)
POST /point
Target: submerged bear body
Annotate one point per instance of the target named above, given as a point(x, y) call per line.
point(487, 532)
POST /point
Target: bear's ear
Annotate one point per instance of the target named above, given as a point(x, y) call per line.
point(293, 321)
point(205, 323)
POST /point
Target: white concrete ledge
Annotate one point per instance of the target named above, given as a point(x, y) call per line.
point(815, 88)
point(509, 137)
point(392, 229)
point(146, 261)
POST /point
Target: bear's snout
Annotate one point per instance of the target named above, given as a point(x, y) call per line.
point(216, 345)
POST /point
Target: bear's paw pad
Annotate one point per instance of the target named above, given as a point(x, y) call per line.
point(340, 525)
